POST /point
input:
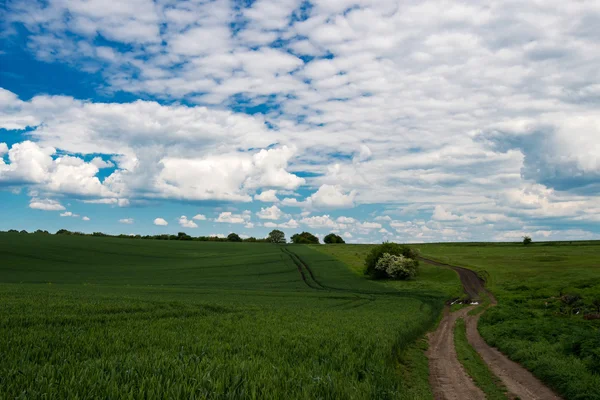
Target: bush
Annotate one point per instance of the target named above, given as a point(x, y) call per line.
point(527, 240)
point(305, 238)
point(397, 267)
point(332, 238)
point(390, 248)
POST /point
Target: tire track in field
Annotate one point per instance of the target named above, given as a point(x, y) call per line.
point(446, 382)
point(310, 282)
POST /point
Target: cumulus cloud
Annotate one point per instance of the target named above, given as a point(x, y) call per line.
point(46, 205)
point(160, 222)
point(69, 214)
point(331, 196)
point(187, 223)
point(199, 217)
point(217, 155)
point(272, 212)
point(228, 217)
point(85, 218)
point(267, 196)
point(291, 224)
point(128, 221)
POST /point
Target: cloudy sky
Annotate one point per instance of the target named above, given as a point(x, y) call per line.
point(411, 121)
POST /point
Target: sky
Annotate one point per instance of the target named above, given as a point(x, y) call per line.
point(408, 121)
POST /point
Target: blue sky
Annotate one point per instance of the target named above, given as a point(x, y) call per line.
point(378, 120)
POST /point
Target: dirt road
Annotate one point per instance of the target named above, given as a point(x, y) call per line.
point(448, 379)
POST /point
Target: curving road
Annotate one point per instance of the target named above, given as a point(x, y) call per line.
point(448, 378)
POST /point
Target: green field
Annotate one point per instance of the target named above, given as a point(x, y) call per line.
point(532, 323)
point(121, 318)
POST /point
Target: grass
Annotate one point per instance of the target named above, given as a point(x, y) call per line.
point(107, 317)
point(475, 366)
point(531, 324)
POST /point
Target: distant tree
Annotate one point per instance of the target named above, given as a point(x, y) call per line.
point(41, 232)
point(305, 238)
point(527, 240)
point(13, 231)
point(234, 237)
point(183, 236)
point(332, 238)
point(23, 231)
point(63, 232)
point(276, 236)
point(250, 239)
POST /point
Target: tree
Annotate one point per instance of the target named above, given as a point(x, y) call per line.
point(276, 236)
point(183, 236)
point(234, 237)
point(390, 248)
point(332, 238)
point(527, 240)
point(305, 238)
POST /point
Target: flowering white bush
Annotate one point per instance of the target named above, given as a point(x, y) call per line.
point(397, 267)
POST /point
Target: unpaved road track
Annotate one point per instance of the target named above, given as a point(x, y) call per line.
point(448, 378)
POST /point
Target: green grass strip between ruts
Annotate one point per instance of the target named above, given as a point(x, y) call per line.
point(475, 366)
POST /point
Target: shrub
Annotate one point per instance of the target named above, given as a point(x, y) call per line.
point(527, 240)
point(397, 267)
point(305, 238)
point(332, 238)
point(378, 251)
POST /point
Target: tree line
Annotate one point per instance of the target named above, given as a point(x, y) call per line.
point(275, 236)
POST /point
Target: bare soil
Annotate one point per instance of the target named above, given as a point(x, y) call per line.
point(447, 377)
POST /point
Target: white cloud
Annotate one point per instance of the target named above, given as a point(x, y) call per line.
point(229, 218)
point(273, 213)
point(112, 201)
point(331, 196)
point(218, 154)
point(267, 196)
point(85, 218)
point(128, 221)
point(46, 205)
point(291, 224)
point(346, 220)
point(323, 221)
point(187, 223)
point(218, 235)
point(100, 163)
point(160, 222)
point(69, 214)
point(199, 217)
